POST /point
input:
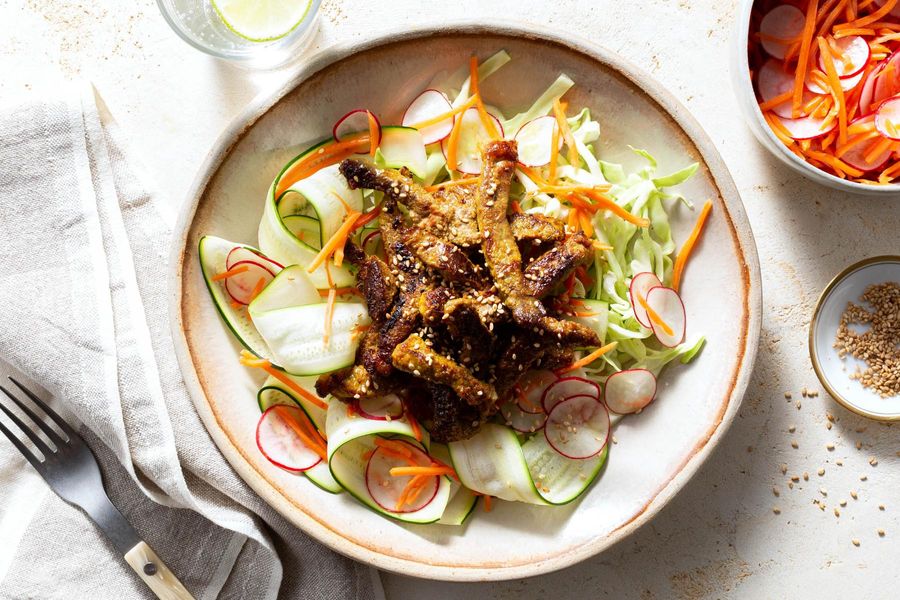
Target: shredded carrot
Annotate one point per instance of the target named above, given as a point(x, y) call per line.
point(872, 18)
point(486, 120)
point(329, 154)
point(394, 445)
point(414, 423)
point(586, 360)
point(836, 90)
point(338, 239)
point(778, 100)
point(654, 316)
point(688, 247)
point(341, 291)
point(585, 222)
point(848, 32)
point(533, 174)
point(877, 149)
point(452, 183)
point(258, 288)
point(249, 360)
point(487, 503)
point(572, 220)
point(290, 419)
point(329, 315)
point(803, 60)
point(444, 116)
point(835, 163)
point(453, 144)
point(554, 153)
point(236, 305)
point(231, 272)
point(602, 202)
point(514, 207)
point(566, 132)
point(890, 173)
point(417, 470)
point(367, 218)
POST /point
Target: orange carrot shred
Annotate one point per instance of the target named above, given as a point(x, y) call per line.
point(374, 133)
point(452, 183)
point(836, 90)
point(566, 131)
point(487, 503)
point(249, 360)
point(688, 247)
point(338, 239)
point(654, 316)
point(329, 154)
point(453, 144)
point(586, 360)
point(554, 154)
point(237, 270)
point(329, 315)
point(486, 120)
point(289, 418)
point(803, 60)
point(418, 470)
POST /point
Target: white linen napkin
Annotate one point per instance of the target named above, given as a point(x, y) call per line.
point(83, 251)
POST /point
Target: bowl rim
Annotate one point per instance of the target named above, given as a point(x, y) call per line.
point(738, 224)
point(814, 327)
point(745, 88)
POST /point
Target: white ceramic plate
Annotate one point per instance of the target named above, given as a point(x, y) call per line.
point(657, 452)
point(833, 372)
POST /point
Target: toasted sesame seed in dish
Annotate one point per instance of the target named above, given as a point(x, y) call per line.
point(853, 338)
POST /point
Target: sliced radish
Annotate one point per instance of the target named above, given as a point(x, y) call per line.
point(380, 408)
point(355, 121)
point(867, 94)
point(887, 118)
point(856, 156)
point(640, 285)
point(428, 105)
point(629, 391)
point(242, 253)
point(531, 390)
point(855, 50)
point(779, 27)
point(386, 489)
point(535, 139)
point(279, 443)
point(666, 303)
point(578, 427)
point(847, 84)
point(521, 421)
point(887, 84)
point(566, 387)
point(241, 286)
point(773, 81)
point(473, 135)
point(807, 128)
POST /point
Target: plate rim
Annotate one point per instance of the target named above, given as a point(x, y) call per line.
point(738, 224)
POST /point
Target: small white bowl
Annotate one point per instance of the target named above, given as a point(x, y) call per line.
point(743, 88)
point(834, 372)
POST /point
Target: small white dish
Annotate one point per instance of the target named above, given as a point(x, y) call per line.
point(834, 372)
point(746, 96)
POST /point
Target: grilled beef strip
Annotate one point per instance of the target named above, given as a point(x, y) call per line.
point(553, 266)
point(451, 418)
point(431, 304)
point(414, 356)
point(529, 228)
point(447, 259)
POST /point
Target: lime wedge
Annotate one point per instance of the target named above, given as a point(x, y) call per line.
point(262, 20)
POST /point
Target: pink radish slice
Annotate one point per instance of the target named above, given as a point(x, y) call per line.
point(535, 139)
point(856, 156)
point(640, 285)
point(868, 90)
point(428, 105)
point(240, 287)
point(887, 118)
point(666, 303)
point(629, 391)
point(772, 81)
point(532, 387)
point(521, 421)
point(807, 128)
point(386, 489)
point(355, 121)
point(472, 136)
point(566, 387)
point(242, 253)
point(847, 84)
point(895, 12)
point(578, 427)
point(855, 50)
point(887, 83)
point(380, 408)
point(784, 22)
point(279, 443)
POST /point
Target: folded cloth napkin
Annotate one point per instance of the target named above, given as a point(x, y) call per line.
point(83, 247)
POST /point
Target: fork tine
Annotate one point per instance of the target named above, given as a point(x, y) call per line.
point(37, 441)
point(60, 422)
point(22, 448)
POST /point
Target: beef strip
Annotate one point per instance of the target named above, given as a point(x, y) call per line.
point(378, 287)
point(453, 216)
point(451, 419)
point(447, 259)
point(431, 304)
point(530, 228)
point(549, 269)
point(414, 356)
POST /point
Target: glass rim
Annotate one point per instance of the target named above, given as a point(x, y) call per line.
point(179, 30)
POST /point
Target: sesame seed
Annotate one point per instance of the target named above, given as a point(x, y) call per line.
point(854, 495)
point(776, 510)
point(821, 471)
point(855, 542)
point(880, 532)
point(792, 429)
point(775, 491)
point(837, 513)
point(794, 445)
point(873, 461)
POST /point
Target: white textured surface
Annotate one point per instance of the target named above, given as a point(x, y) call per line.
point(719, 537)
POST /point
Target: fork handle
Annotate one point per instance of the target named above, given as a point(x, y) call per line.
point(155, 573)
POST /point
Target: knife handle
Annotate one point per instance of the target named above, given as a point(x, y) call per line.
point(155, 573)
